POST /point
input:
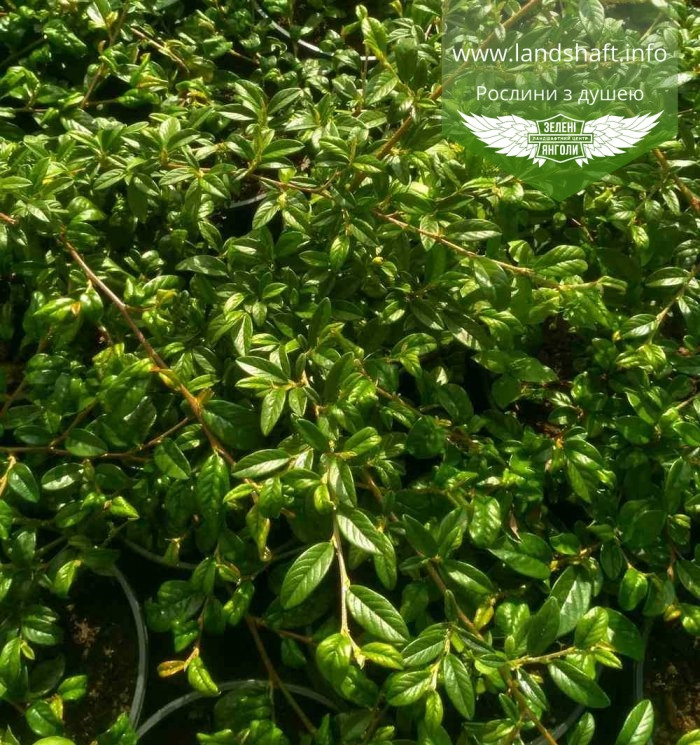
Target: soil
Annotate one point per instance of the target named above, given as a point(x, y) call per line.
point(558, 347)
point(672, 682)
point(101, 642)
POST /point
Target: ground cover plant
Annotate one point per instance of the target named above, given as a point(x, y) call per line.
point(422, 438)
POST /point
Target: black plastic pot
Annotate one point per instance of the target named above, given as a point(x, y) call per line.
point(561, 729)
point(282, 31)
point(142, 638)
point(638, 682)
point(231, 685)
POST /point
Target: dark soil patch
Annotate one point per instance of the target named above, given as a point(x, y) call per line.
point(672, 682)
point(558, 348)
point(101, 642)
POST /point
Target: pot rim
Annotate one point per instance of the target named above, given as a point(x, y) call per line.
point(305, 44)
point(562, 728)
point(230, 685)
point(142, 640)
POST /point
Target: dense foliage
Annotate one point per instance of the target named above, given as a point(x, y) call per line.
point(420, 431)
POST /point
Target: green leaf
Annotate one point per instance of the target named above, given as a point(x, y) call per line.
point(544, 627)
point(272, 408)
point(583, 732)
point(73, 688)
point(305, 575)
point(262, 463)
point(517, 559)
point(573, 590)
point(577, 685)
point(85, 444)
point(376, 614)
point(591, 628)
point(468, 578)
point(42, 719)
point(624, 636)
point(209, 265)
point(383, 654)
point(259, 367)
point(485, 525)
point(199, 678)
point(333, 656)
point(312, 435)
point(119, 507)
point(362, 442)
point(236, 608)
point(689, 575)
point(458, 685)
point(171, 460)
point(358, 529)
point(429, 645)
point(633, 589)
point(426, 438)
point(403, 689)
point(638, 726)
point(21, 480)
point(62, 477)
point(592, 16)
point(690, 738)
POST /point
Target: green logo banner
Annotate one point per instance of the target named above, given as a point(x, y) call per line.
point(560, 94)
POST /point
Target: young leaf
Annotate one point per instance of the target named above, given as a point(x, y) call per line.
point(333, 657)
point(199, 678)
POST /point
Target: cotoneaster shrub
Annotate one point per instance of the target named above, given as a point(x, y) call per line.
point(424, 432)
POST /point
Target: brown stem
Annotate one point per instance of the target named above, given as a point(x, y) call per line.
point(344, 579)
point(23, 384)
point(692, 199)
point(283, 633)
point(504, 671)
point(157, 360)
point(102, 69)
point(274, 676)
